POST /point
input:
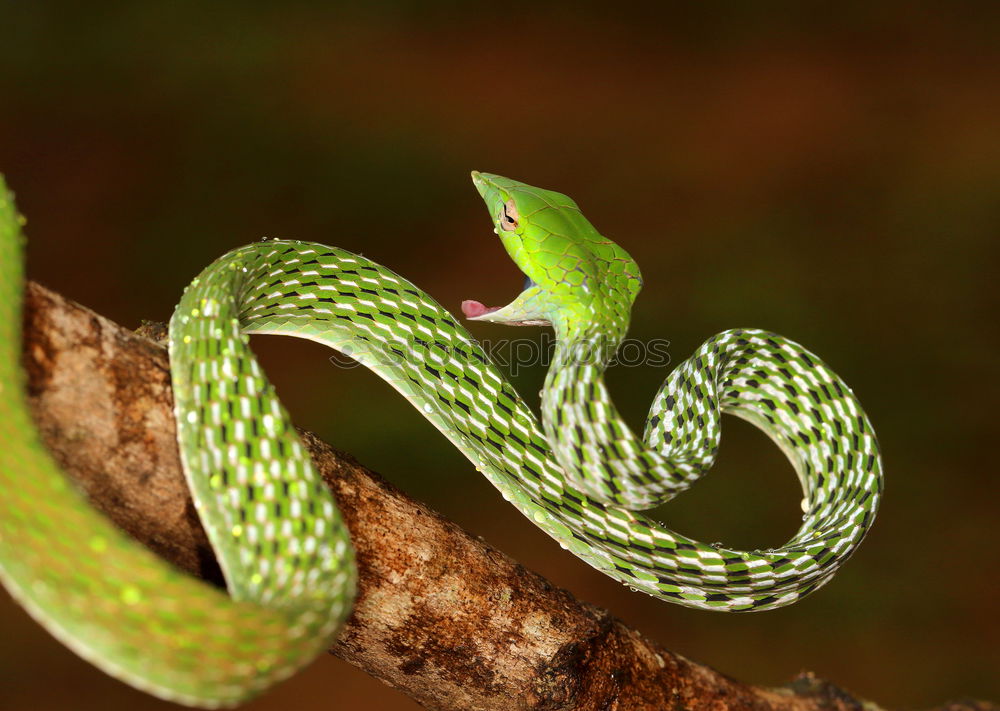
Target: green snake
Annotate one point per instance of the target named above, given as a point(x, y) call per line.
point(580, 474)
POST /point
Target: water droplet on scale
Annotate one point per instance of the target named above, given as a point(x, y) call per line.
point(717, 545)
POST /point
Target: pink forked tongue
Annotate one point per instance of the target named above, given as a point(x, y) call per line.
point(474, 309)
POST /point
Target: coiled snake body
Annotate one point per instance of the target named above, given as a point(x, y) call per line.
point(581, 474)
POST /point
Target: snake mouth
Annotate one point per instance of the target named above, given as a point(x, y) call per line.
point(509, 315)
point(475, 310)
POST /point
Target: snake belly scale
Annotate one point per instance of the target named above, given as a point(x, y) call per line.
point(579, 473)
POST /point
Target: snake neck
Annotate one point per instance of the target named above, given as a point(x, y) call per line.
point(592, 443)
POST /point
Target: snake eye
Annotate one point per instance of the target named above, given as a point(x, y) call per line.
point(508, 216)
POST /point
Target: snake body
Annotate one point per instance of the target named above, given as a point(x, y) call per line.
point(580, 474)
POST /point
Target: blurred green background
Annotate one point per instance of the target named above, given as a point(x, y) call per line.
point(829, 174)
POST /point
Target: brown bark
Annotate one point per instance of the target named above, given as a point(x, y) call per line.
point(442, 616)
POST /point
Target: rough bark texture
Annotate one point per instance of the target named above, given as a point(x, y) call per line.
point(440, 615)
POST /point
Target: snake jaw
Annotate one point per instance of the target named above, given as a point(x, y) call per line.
point(510, 315)
point(522, 311)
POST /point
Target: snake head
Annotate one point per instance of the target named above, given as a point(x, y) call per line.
point(574, 275)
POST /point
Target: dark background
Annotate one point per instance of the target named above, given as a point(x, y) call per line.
point(833, 176)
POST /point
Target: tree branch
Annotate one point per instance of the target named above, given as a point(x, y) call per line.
point(440, 615)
